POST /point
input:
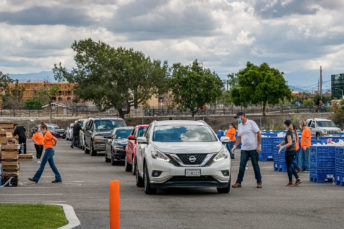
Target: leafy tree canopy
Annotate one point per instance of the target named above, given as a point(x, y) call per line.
point(194, 86)
point(113, 77)
point(260, 85)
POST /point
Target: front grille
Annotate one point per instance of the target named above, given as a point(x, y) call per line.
point(332, 132)
point(192, 159)
point(190, 179)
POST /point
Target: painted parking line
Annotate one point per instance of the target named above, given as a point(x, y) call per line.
point(32, 194)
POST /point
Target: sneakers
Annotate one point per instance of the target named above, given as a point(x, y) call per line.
point(289, 185)
point(259, 185)
point(31, 179)
point(236, 185)
point(298, 170)
point(298, 181)
point(38, 161)
point(56, 181)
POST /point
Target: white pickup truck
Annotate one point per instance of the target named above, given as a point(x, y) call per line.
point(320, 127)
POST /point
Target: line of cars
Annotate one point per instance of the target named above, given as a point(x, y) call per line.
point(163, 154)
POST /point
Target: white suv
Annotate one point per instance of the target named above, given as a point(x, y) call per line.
point(182, 154)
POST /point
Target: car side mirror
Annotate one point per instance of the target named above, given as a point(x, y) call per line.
point(224, 139)
point(142, 140)
point(131, 137)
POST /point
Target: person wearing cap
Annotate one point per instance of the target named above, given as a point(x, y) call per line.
point(289, 144)
point(250, 136)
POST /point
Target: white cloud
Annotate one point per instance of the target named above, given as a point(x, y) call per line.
point(295, 36)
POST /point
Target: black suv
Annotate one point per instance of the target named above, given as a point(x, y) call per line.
point(95, 131)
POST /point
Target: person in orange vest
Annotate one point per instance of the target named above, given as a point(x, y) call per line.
point(37, 139)
point(303, 160)
point(49, 141)
point(231, 135)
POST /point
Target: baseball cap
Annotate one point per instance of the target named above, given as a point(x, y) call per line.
point(238, 114)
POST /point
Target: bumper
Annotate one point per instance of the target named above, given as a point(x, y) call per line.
point(119, 155)
point(99, 146)
point(173, 176)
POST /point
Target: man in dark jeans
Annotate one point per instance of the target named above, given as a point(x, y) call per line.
point(250, 136)
point(76, 135)
point(21, 132)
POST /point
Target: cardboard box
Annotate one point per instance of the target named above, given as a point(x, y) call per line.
point(6, 126)
point(3, 140)
point(25, 157)
point(9, 155)
point(9, 135)
point(9, 147)
point(2, 133)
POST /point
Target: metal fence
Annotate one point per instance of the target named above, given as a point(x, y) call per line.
point(151, 112)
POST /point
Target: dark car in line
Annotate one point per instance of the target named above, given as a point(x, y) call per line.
point(116, 145)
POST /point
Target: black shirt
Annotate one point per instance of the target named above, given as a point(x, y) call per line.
point(76, 129)
point(20, 131)
point(292, 135)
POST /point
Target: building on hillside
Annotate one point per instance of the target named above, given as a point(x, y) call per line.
point(64, 95)
point(337, 85)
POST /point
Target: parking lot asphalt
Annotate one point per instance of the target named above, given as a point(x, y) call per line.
point(86, 187)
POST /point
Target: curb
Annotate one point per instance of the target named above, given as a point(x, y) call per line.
point(73, 221)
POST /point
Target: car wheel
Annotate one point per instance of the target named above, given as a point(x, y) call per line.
point(139, 180)
point(127, 166)
point(226, 189)
point(87, 151)
point(133, 167)
point(93, 152)
point(146, 182)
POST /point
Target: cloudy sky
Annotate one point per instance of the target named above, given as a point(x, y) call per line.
point(296, 36)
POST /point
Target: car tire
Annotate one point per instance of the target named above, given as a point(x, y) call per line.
point(146, 182)
point(127, 166)
point(139, 180)
point(133, 167)
point(226, 189)
point(93, 152)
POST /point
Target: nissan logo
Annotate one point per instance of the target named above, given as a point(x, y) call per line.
point(192, 159)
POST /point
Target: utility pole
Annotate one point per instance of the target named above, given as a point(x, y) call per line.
point(320, 84)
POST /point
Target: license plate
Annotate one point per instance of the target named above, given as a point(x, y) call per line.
point(193, 172)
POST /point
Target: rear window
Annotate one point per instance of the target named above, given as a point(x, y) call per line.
point(141, 131)
point(108, 125)
point(123, 133)
point(192, 133)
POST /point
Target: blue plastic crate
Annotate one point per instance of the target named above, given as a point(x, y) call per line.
point(339, 166)
point(322, 163)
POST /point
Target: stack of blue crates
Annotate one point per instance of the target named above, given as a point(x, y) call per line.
point(279, 158)
point(321, 163)
point(267, 145)
point(339, 166)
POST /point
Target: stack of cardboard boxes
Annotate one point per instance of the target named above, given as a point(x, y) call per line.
point(9, 153)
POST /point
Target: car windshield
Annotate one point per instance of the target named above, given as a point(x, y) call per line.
point(123, 133)
point(141, 131)
point(326, 124)
point(192, 133)
point(108, 125)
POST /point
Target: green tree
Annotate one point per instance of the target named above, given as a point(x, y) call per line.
point(194, 86)
point(113, 78)
point(260, 85)
point(34, 103)
point(308, 102)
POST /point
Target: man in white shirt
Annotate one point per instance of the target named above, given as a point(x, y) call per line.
point(250, 136)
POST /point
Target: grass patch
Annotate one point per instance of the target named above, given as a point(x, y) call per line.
point(35, 216)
